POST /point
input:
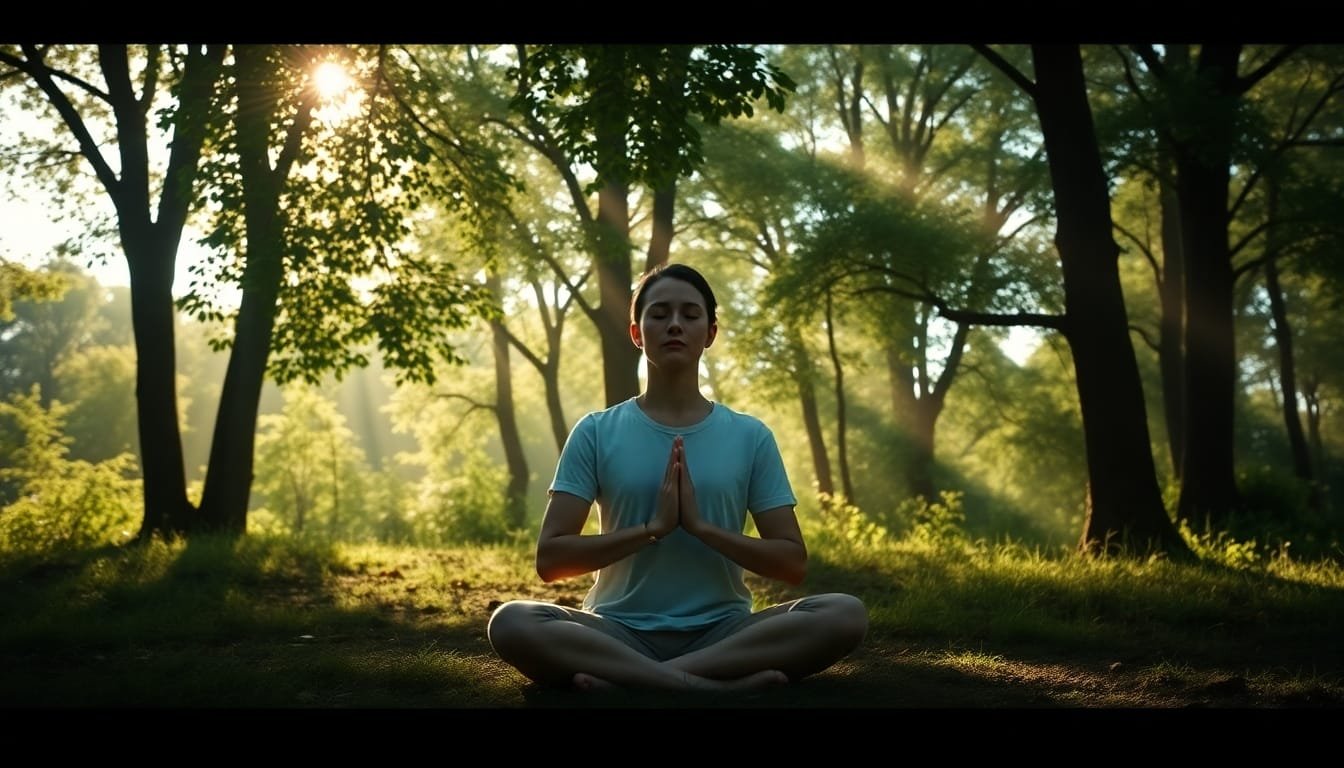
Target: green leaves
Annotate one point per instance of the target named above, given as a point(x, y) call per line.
point(352, 267)
point(627, 110)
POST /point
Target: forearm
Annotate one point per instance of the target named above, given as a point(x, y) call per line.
point(782, 559)
point(560, 557)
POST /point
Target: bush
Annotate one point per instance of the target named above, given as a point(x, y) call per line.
point(468, 507)
point(80, 506)
point(60, 505)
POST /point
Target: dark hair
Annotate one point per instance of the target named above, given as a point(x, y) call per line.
point(680, 272)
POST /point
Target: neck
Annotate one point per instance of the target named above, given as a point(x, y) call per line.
point(675, 393)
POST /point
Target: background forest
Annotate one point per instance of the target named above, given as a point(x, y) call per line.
point(1059, 296)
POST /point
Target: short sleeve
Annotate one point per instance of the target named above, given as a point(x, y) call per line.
point(769, 486)
point(576, 472)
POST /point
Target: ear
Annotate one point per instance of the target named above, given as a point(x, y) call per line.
point(634, 335)
point(713, 332)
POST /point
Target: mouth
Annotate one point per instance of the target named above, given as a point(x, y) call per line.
point(674, 345)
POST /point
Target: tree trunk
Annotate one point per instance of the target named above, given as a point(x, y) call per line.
point(919, 471)
point(152, 264)
point(841, 442)
point(807, 398)
point(620, 357)
point(150, 246)
point(515, 495)
point(1125, 509)
point(660, 241)
point(229, 474)
point(1171, 355)
point(1208, 483)
point(1283, 338)
point(554, 409)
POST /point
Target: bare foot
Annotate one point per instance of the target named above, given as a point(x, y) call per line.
point(756, 682)
point(753, 682)
point(586, 682)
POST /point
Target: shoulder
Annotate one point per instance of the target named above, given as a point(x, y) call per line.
point(606, 418)
point(741, 421)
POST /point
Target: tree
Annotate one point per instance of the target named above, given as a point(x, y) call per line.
point(40, 334)
point(151, 201)
point(1125, 507)
point(310, 466)
point(628, 113)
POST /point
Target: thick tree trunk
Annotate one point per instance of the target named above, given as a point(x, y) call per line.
point(151, 255)
point(1208, 482)
point(620, 357)
point(228, 480)
point(515, 495)
point(1125, 507)
point(229, 474)
point(167, 510)
point(660, 240)
point(919, 466)
point(919, 472)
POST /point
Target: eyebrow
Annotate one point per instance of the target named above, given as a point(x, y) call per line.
point(668, 304)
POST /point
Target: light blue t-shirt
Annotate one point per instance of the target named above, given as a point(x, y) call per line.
point(617, 458)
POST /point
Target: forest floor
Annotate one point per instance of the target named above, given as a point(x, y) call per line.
point(389, 628)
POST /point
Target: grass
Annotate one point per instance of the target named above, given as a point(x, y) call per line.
point(273, 623)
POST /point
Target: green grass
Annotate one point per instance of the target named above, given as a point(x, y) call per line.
point(266, 623)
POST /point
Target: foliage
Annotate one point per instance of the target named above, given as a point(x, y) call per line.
point(846, 527)
point(643, 98)
point(98, 382)
point(43, 331)
point(19, 282)
point(309, 469)
point(467, 507)
point(364, 174)
point(941, 524)
point(53, 505)
point(1221, 548)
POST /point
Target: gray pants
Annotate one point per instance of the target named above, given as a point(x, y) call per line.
point(659, 644)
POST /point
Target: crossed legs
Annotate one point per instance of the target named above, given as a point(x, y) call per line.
point(551, 644)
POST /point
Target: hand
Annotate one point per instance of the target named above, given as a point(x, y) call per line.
point(667, 515)
point(690, 509)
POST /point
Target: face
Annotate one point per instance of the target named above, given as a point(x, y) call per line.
point(674, 325)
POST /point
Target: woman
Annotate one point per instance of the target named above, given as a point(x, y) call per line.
point(673, 475)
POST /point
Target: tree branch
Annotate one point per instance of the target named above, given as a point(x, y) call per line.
point(1148, 340)
point(1006, 68)
point(1249, 81)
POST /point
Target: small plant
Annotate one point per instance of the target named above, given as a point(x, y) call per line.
point(941, 524)
point(845, 524)
point(1222, 548)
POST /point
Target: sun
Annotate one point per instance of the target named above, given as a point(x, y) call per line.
point(339, 95)
point(331, 80)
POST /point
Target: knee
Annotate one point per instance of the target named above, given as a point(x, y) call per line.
point(508, 627)
point(848, 616)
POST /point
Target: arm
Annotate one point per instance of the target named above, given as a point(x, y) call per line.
point(562, 549)
point(779, 553)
